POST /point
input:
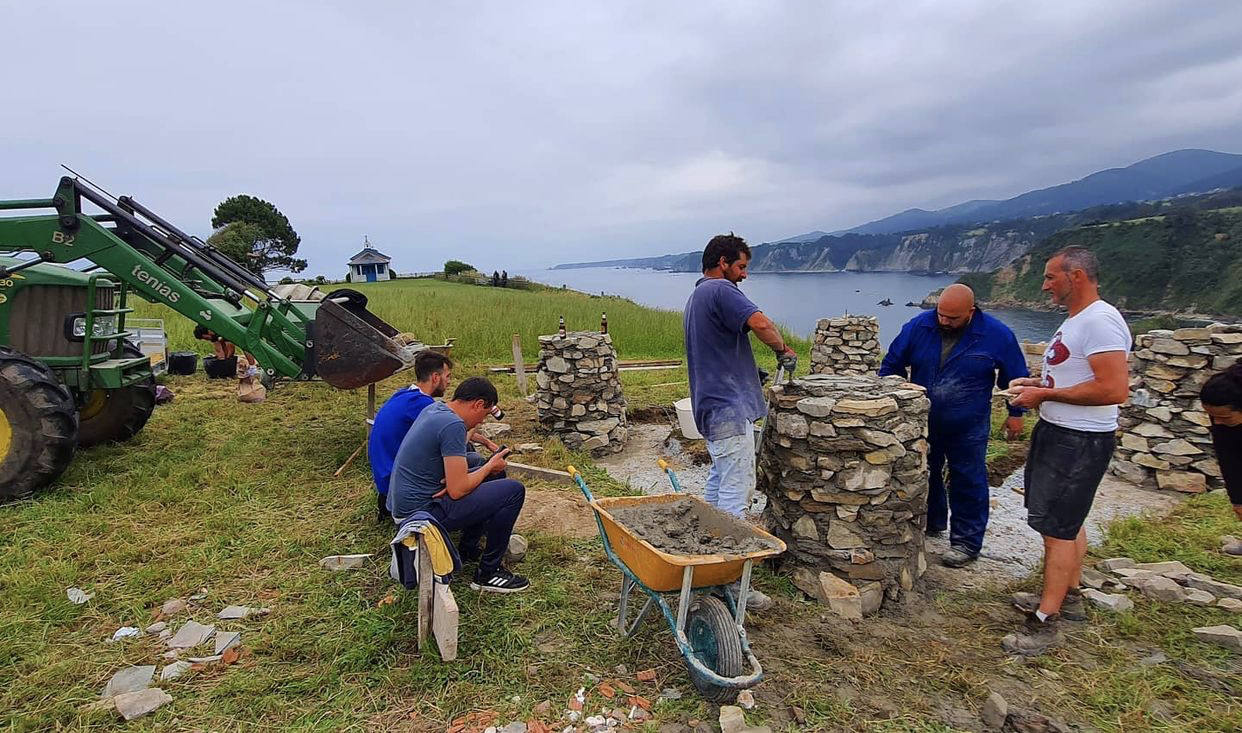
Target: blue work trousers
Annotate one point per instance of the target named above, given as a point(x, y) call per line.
point(965, 510)
point(490, 510)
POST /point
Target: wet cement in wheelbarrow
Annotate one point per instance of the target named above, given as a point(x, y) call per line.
point(685, 527)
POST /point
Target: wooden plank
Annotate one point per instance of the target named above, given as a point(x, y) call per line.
point(621, 365)
point(444, 619)
point(518, 367)
point(538, 472)
point(426, 587)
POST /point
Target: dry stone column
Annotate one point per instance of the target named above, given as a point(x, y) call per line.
point(1164, 440)
point(844, 468)
point(846, 345)
point(578, 394)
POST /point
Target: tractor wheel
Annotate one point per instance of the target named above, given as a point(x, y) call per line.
point(116, 414)
point(38, 425)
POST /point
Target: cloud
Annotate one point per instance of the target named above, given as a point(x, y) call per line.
point(519, 135)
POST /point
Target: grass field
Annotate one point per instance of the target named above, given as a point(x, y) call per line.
point(241, 500)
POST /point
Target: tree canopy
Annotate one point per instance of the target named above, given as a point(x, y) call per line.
point(457, 267)
point(255, 234)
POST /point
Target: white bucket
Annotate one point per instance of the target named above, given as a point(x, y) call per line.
point(685, 418)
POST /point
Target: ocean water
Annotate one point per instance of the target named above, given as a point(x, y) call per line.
point(796, 299)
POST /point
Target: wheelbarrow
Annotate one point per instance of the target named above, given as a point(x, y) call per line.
point(708, 625)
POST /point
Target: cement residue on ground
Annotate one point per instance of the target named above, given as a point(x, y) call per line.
point(687, 527)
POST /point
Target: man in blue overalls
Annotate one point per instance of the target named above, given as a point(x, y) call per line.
point(958, 352)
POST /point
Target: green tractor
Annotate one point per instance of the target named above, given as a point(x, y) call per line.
point(68, 375)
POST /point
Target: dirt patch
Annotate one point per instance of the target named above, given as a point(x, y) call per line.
point(557, 512)
point(687, 527)
point(657, 414)
point(1000, 468)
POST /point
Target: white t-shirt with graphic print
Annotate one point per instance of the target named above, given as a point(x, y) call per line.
point(1097, 328)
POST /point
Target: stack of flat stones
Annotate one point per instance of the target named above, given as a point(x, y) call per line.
point(846, 345)
point(844, 467)
point(1034, 356)
point(579, 396)
point(1164, 440)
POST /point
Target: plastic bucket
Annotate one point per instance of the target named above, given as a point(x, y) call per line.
point(685, 419)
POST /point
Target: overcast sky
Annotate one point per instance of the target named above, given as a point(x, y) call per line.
point(523, 134)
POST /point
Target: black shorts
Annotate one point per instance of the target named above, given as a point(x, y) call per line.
point(1063, 470)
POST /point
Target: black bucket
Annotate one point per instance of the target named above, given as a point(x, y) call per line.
point(220, 368)
point(182, 363)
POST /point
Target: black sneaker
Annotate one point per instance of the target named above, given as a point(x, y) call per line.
point(1036, 637)
point(381, 508)
point(1073, 608)
point(500, 580)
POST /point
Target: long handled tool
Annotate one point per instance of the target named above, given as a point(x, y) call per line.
point(785, 367)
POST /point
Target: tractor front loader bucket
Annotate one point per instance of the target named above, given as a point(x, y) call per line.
point(353, 347)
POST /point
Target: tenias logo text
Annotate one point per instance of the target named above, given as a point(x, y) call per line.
point(160, 287)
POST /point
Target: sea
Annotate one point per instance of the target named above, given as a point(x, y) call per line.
point(797, 300)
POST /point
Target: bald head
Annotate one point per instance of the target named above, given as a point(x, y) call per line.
point(955, 308)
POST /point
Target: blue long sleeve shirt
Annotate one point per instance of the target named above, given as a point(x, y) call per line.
point(961, 390)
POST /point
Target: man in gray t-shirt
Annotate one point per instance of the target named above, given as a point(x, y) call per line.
point(431, 474)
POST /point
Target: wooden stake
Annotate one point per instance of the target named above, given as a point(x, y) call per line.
point(426, 589)
point(350, 460)
point(518, 367)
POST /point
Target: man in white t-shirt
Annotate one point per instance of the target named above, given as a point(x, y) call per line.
point(1085, 377)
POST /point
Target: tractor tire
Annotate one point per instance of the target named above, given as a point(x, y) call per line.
point(38, 425)
point(115, 415)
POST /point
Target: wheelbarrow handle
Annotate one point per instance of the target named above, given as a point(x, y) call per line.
point(576, 475)
point(672, 475)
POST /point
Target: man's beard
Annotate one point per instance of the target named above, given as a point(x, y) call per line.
point(951, 330)
point(437, 392)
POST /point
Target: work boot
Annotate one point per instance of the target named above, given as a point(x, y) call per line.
point(1231, 545)
point(1036, 636)
point(756, 600)
point(958, 556)
point(937, 533)
point(1073, 608)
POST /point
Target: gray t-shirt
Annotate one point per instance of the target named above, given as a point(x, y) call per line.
point(418, 468)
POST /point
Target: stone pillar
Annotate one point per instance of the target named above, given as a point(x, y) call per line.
point(846, 345)
point(845, 472)
point(578, 393)
point(1164, 440)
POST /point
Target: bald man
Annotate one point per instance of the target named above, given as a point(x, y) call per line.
point(958, 352)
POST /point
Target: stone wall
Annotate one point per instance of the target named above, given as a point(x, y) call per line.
point(578, 394)
point(1164, 440)
point(846, 345)
point(845, 472)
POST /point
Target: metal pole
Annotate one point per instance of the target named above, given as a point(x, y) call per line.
point(683, 603)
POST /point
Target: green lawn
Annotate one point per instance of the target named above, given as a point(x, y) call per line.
point(241, 500)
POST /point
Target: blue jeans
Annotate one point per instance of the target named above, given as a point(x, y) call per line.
point(732, 475)
point(967, 495)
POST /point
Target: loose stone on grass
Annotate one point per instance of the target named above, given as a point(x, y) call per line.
point(344, 562)
point(174, 670)
point(1159, 588)
point(157, 627)
point(137, 704)
point(191, 635)
point(1115, 563)
point(995, 711)
point(129, 679)
point(172, 606)
point(1115, 602)
point(226, 640)
point(1226, 636)
point(77, 596)
point(1196, 597)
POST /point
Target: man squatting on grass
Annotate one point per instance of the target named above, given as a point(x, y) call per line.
point(724, 380)
point(432, 374)
point(431, 473)
point(1085, 378)
point(1222, 400)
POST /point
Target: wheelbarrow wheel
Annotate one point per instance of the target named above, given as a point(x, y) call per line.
point(713, 638)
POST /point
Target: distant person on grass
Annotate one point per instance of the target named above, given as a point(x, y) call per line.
point(432, 374)
point(1085, 377)
point(724, 380)
point(220, 348)
point(431, 473)
point(958, 353)
point(1222, 400)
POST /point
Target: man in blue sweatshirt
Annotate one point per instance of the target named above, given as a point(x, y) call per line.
point(958, 352)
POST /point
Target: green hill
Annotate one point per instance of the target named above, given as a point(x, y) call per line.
point(1182, 259)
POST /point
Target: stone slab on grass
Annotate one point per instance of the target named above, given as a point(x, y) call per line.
point(130, 679)
point(344, 562)
point(1114, 602)
point(137, 704)
point(191, 635)
point(1226, 636)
